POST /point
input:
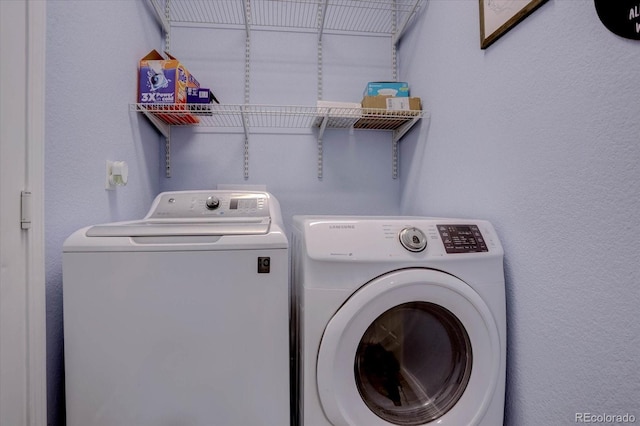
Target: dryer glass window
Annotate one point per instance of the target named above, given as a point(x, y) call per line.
point(413, 363)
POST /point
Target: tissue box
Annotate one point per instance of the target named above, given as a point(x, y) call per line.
point(165, 81)
point(387, 88)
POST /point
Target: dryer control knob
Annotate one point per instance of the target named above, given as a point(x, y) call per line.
point(212, 202)
point(413, 239)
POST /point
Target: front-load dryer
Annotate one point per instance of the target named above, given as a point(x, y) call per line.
point(181, 318)
point(399, 321)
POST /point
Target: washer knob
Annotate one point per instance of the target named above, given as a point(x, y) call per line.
point(212, 203)
point(413, 239)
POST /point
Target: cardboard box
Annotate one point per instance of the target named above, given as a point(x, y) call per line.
point(387, 88)
point(391, 103)
point(165, 81)
point(380, 112)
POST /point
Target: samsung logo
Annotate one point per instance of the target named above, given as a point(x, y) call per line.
point(342, 226)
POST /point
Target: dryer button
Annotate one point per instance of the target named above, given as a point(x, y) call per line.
point(413, 239)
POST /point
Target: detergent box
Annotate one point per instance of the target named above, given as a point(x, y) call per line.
point(165, 80)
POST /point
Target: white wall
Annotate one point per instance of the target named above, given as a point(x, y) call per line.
point(540, 134)
point(92, 53)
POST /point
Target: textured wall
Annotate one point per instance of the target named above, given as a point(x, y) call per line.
point(92, 53)
point(540, 134)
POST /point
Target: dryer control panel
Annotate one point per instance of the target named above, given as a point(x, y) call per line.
point(462, 238)
point(202, 204)
point(357, 238)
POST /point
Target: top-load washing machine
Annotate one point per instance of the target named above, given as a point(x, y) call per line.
point(181, 318)
point(399, 321)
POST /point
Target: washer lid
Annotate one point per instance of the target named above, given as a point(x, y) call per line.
point(197, 213)
point(411, 347)
point(182, 227)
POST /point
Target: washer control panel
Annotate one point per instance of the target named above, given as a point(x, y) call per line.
point(462, 238)
point(219, 204)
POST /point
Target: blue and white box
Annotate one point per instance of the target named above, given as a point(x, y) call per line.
point(387, 88)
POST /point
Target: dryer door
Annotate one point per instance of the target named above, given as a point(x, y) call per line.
point(411, 347)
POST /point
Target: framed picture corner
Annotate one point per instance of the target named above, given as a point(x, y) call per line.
point(497, 17)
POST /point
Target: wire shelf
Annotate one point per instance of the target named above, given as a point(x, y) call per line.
point(276, 116)
point(370, 16)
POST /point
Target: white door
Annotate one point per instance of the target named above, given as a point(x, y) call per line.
point(22, 295)
point(411, 347)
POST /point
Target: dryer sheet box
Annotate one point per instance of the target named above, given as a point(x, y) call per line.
point(165, 80)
